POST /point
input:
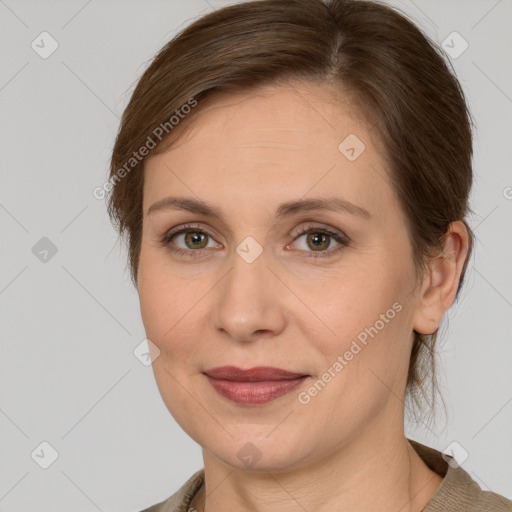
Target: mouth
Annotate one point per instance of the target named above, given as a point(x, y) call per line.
point(253, 386)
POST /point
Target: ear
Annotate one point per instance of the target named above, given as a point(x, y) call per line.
point(439, 286)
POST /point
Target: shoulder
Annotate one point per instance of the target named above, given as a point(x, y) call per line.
point(180, 500)
point(458, 492)
point(462, 493)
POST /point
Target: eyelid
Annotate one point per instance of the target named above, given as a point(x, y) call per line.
point(318, 227)
point(184, 228)
point(341, 238)
point(165, 240)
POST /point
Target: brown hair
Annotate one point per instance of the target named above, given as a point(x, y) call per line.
point(401, 81)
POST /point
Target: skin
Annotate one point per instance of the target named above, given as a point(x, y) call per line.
point(345, 450)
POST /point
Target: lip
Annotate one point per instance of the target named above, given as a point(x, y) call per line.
point(253, 386)
point(258, 373)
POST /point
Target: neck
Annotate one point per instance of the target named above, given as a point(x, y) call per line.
point(375, 471)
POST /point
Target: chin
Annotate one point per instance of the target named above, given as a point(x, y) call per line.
point(259, 452)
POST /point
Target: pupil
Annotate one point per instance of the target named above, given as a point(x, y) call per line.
point(196, 238)
point(318, 239)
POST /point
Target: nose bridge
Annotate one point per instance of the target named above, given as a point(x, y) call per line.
point(248, 301)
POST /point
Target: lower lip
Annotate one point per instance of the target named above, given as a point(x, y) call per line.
point(253, 393)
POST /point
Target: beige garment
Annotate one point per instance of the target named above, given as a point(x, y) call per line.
point(457, 493)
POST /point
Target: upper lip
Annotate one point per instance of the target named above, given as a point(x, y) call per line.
point(258, 373)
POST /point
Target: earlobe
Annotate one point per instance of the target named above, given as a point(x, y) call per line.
point(439, 287)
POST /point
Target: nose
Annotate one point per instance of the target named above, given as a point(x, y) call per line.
point(249, 301)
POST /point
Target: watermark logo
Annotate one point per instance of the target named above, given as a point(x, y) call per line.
point(249, 249)
point(44, 45)
point(44, 455)
point(351, 147)
point(146, 352)
point(44, 250)
point(455, 454)
point(249, 454)
point(454, 45)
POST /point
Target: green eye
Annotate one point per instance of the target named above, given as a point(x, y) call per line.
point(318, 241)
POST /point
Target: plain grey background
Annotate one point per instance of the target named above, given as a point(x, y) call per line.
point(70, 317)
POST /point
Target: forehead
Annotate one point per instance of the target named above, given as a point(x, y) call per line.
point(269, 143)
point(297, 116)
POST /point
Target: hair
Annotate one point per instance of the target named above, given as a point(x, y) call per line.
point(401, 82)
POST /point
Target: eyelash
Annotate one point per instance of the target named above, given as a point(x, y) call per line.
point(343, 240)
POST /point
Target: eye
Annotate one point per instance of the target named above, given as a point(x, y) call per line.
point(193, 238)
point(195, 241)
point(318, 239)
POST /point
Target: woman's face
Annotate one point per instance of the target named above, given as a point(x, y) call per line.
point(247, 289)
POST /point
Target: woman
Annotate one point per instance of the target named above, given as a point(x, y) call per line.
point(293, 179)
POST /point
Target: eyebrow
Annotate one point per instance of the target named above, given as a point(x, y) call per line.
point(288, 209)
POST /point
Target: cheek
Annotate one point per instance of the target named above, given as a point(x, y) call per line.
point(159, 297)
point(171, 308)
point(366, 322)
point(366, 359)
point(167, 310)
